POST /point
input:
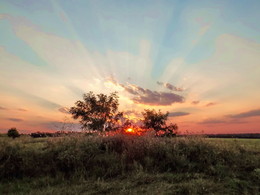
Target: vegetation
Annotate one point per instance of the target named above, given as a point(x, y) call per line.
point(157, 121)
point(97, 112)
point(13, 133)
point(128, 164)
point(100, 112)
point(125, 163)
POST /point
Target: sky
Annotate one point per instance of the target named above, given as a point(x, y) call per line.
point(198, 60)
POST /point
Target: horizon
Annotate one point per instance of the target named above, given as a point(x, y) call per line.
point(200, 61)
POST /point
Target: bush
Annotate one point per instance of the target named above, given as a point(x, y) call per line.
point(13, 133)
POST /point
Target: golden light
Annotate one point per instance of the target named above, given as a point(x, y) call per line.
point(130, 130)
point(134, 131)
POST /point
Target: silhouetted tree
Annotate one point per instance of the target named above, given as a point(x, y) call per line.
point(157, 121)
point(127, 124)
point(13, 133)
point(97, 112)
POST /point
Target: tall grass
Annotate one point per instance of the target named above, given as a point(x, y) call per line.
point(121, 156)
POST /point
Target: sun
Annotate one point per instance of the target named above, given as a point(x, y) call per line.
point(134, 131)
point(129, 130)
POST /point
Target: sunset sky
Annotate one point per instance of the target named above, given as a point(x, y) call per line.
point(199, 60)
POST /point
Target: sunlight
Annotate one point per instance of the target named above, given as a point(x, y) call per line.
point(135, 131)
point(130, 130)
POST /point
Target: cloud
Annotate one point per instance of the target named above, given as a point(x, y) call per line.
point(15, 119)
point(64, 110)
point(22, 110)
point(195, 102)
point(169, 86)
point(212, 121)
point(250, 113)
point(158, 98)
point(130, 90)
point(176, 114)
point(3, 108)
point(147, 96)
point(211, 104)
point(221, 121)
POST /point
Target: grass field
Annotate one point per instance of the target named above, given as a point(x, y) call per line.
point(129, 165)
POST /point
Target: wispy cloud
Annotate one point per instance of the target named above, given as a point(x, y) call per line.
point(213, 121)
point(3, 108)
point(15, 119)
point(195, 102)
point(176, 114)
point(222, 121)
point(247, 114)
point(211, 104)
point(64, 110)
point(22, 110)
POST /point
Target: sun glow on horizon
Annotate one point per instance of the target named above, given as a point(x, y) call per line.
point(129, 130)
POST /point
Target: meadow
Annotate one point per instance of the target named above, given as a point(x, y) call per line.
point(126, 164)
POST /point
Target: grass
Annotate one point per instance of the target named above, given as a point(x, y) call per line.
point(248, 144)
point(129, 165)
point(135, 184)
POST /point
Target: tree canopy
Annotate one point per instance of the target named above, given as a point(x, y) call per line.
point(97, 112)
point(100, 112)
point(13, 133)
point(157, 121)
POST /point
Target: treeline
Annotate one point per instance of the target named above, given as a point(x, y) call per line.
point(55, 134)
point(247, 136)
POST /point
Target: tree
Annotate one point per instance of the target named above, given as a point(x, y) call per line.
point(157, 121)
point(97, 112)
point(13, 133)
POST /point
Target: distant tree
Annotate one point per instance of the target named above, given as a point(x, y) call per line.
point(157, 121)
point(13, 133)
point(97, 112)
point(41, 134)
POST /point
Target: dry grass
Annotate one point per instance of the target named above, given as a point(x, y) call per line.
point(129, 164)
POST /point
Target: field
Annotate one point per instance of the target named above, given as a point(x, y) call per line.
point(129, 165)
